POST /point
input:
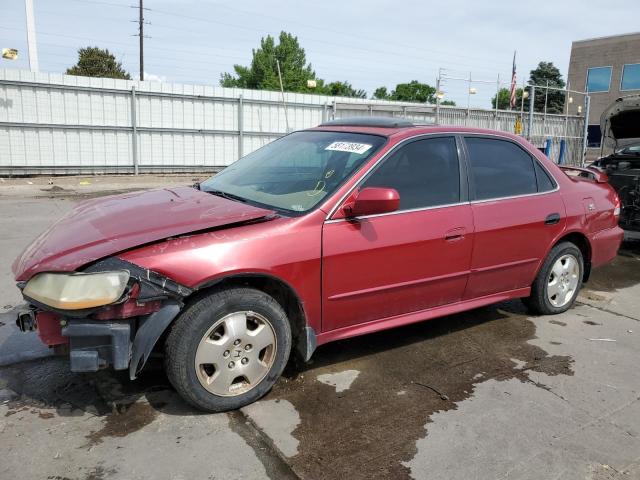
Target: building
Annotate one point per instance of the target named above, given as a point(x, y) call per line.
point(606, 68)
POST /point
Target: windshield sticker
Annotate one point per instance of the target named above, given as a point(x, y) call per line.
point(351, 147)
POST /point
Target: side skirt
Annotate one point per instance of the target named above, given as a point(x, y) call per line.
point(419, 316)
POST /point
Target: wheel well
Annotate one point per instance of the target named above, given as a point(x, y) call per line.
point(279, 290)
point(580, 241)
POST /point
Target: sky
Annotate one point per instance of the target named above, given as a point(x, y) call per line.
point(370, 44)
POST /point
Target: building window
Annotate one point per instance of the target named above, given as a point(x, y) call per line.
point(594, 135)
point(630, 77)
point(598, 79)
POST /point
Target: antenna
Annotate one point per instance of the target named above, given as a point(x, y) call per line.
point(286, 117)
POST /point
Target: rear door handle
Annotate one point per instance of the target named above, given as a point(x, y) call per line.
point(552, 219)
point(455, 234)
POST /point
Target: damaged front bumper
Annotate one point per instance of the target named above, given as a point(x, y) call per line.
point(121, 335)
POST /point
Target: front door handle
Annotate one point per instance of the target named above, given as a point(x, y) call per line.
point(552, 219)
point(455, 234)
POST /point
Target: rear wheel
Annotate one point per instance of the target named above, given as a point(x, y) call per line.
point(558, 282)
point(227, 349)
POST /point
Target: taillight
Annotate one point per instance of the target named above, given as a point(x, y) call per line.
point(616, 209)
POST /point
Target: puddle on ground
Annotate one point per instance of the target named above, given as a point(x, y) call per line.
point(49, 390)
point(369, 427)
point(368, 430)
point(125, 420)
point(623, 272)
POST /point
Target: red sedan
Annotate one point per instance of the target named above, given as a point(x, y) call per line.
point(348, 228)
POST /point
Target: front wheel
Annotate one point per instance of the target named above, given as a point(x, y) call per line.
point(558, 282)
point(228, 349)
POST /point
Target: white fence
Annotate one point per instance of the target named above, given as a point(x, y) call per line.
point(59, 124)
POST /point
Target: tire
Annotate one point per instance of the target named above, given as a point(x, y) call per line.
point(207, 346)
point(548, 297)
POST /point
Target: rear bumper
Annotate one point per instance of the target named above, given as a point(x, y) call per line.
point(605, 245)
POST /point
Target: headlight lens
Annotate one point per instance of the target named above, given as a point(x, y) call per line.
point(76, 291)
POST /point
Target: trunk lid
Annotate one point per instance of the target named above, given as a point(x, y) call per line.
point(620, 122)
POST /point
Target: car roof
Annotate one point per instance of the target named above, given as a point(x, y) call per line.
point(400, 128)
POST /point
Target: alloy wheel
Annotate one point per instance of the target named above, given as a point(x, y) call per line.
point(563, 281)
point(236, 353)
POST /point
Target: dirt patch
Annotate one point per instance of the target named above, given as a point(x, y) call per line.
point(406, 375)
point(590, 322)
point(15, 407)
point(589, 295)
point(49, 390)
point(558, 322)
point(56, 189)
point(124, 420)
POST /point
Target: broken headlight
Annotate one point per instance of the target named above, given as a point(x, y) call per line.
point(77, 291)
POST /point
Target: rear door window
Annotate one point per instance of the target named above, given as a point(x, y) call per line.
point(499, 169)
point(426, 173)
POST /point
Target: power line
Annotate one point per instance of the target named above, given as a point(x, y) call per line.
point(498, 65)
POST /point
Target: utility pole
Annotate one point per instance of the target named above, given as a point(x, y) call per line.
point(141, 35)
point(31, 36)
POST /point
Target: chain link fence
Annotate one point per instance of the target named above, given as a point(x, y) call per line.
point(58, 124)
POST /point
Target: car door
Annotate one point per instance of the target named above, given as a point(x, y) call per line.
point(517, 213)
point(415, 258)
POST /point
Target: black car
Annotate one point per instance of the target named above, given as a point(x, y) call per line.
point(621, 126)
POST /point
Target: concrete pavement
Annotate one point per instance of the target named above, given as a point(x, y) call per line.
point(491, 393)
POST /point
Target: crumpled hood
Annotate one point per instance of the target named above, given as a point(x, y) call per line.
point(98, 228)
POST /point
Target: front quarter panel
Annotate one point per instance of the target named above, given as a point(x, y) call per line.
point(288, 249)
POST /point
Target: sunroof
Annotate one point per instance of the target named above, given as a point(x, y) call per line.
point(384, 122)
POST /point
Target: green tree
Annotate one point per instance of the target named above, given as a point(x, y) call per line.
point(262, 74)
point(543, 73)
point(449, 103)
point(414, 91)
point(504, 97)
point(96, 62)
point(341, 89)
point(381, 93)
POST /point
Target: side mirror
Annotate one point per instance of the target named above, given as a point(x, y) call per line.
point(372, 201)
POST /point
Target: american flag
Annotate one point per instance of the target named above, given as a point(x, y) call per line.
point(512, 96)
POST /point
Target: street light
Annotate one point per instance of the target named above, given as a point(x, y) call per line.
point(10, 53)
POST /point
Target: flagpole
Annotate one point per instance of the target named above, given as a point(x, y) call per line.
point(512, 90)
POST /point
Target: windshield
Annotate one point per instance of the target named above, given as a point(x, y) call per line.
point(295, 172)
point(631, 150)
